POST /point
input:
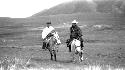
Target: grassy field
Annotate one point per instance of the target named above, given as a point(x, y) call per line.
point(104, 50)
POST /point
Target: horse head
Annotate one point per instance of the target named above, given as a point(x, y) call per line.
point(56, 36)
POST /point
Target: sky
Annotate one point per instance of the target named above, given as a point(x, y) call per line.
point(26, 8)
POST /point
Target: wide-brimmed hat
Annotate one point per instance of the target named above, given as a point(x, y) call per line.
point(74, 22)
point(48, 23)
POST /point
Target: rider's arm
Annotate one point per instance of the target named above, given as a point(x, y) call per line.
point(80, 31)
point(71, 30)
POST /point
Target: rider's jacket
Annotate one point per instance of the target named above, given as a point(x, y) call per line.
point(75, 32)
point(46, 31)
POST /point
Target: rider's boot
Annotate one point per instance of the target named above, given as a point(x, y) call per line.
point(68, 44)
point(69, 48)
point(44, 45)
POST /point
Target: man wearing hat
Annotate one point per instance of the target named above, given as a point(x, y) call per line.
point(75, 32)
point(47, 33)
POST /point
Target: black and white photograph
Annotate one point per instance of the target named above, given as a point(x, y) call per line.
point(62, 34)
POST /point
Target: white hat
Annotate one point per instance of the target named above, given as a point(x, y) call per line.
point(74, 21)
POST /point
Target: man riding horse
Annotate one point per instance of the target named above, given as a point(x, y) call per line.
point(47, 33)
point(50, 40)
point(75, 33)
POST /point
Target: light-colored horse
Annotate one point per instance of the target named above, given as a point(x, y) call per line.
point(52, 43)
point(76, 49)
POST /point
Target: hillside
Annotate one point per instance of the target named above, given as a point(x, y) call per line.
point(68, 8)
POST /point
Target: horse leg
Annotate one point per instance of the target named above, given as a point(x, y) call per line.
point(54, 52)
point(69, 48)
point(51, 56)
point(81, 56)
point(79, 53)
point(72, 55)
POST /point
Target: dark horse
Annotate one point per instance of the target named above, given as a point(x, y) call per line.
point(52, 44)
